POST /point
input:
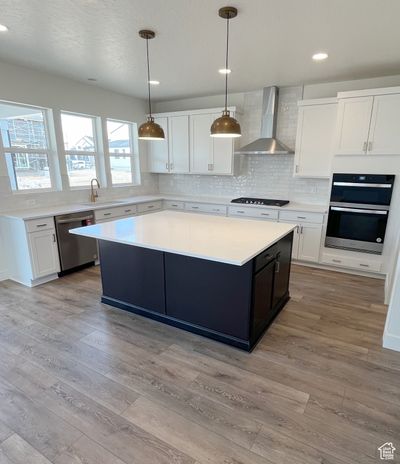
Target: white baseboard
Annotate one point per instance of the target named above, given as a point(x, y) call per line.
point(391, 342)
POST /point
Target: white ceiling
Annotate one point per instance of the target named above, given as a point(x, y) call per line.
point(271, 42)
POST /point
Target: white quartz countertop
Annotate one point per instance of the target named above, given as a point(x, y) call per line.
point(36, 213)
point(215, 238)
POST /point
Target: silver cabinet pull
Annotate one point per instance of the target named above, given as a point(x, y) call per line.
point(166, 166)
point(336, 260)
point(171, 166)
point(364, 265)
point(127, 210)
point(150, 206)
point(195, 207)
point(41, 225)
point(54, 238)
point(265, 214)
point(106, 214)
point(301, 229)
point(301, 217)
point(210, 167)
point(297, 168)
point(369, 146)
point(240, 211)
point(364, 146)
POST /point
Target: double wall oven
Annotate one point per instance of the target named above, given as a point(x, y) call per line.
point(359, 211)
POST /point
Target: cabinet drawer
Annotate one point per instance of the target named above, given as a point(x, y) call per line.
point(253, 212)
point(128, 210)
point(150, 206)
point(300, 216)
point(206, 208)
point(265, 257)
point(170, 204)
point(108, 213)
point(39, 224)
point(353, 263)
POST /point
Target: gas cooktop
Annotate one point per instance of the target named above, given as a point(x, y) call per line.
point(260, 201)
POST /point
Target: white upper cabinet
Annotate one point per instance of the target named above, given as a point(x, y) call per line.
point(178, 143)
point(354, 116)
point(315, 133)
point(384, 135)
point(189, 147)
point(158, 150)
point(209, 155)
point(367, 122)
point(201, 143)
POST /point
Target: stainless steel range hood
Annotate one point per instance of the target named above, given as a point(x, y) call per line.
point(267, 144)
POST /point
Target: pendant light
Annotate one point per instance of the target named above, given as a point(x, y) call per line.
point(226, 125)
point(149, 130)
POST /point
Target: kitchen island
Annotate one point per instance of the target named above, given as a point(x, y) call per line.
point(220, 277)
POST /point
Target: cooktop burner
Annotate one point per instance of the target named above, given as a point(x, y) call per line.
point(260, 201)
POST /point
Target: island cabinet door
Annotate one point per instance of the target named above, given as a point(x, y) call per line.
point(208, 294)
point(133, 275)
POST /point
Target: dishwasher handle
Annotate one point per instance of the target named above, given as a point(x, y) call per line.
point(77, 219)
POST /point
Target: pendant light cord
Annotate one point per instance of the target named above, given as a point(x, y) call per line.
point(148, 74)
point(226, 63)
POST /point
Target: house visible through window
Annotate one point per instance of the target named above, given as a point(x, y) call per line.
point(121, 151)
point(80, 147)
point(25, 146)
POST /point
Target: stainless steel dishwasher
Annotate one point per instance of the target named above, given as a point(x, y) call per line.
point(75, 251)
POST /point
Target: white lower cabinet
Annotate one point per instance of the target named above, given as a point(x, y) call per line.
point(352, 260)
point(306, 241)
point(206, 208)
point(44, 253)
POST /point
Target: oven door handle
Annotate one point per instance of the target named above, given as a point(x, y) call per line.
point(359, 184)
point(363, 211)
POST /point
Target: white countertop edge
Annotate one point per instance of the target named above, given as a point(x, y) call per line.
point(77, 207)
point(82, 231)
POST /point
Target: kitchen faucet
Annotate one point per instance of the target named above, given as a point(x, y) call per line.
point(93, 193)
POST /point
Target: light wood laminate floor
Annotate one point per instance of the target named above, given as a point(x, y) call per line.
point(83, 383)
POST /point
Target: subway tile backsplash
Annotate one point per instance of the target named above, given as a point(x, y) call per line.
point(258, 175)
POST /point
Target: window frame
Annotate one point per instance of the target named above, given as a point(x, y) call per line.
point(134, 155)
point(97, 153)
point(49, 151)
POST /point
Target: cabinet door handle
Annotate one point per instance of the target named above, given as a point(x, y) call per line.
point(127, 210)
point(171, 166)
point(265, 214)
point(297, 168)
point(210, 167)
point(369, 146)
point(107, 214)
point(301, 217)
point(54, 238)
point(336, 260)
point(240, 211)
point(365, 147)
point(364, 265)
point(166, 166)
point(150, 206)
point(301, 229)
point(41, 225)
point(195, 207)
point(277, 267)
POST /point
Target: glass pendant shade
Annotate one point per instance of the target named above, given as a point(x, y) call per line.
point(225, 126)
point(150, 130)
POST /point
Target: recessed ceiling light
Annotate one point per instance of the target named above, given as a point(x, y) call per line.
point(224, 71)
point(3, 28)
point(154, 82)
point(320, 56)
point(92, 79)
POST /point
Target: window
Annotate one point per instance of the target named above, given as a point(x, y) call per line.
point(121, 151)
point(80, 145)
point(25, 146)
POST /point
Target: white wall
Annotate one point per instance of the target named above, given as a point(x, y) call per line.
point(25, 85)
point(391, 336)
